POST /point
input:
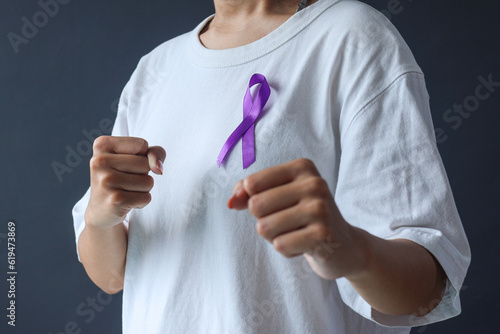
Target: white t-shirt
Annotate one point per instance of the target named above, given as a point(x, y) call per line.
point(346, 93)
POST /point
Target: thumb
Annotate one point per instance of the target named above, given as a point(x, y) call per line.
point(240, 197)
point(156, 157)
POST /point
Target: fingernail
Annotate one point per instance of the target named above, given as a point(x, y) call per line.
point(236, 194)
point(159, 165)
point(230, 203)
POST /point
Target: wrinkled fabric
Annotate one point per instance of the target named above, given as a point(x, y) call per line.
point(347, 94)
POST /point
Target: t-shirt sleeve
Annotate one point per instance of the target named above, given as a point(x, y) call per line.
point(146, 76)
point(120, 128)
point(392, 183)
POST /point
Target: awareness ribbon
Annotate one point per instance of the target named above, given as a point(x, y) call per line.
point(246, 129)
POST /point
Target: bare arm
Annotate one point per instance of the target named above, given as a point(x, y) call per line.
point(120, 182)
point(103, 251)
point(296, 212)
point(397, 277)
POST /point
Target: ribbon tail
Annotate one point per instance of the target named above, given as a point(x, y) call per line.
point(248, 147)
point(233, 138)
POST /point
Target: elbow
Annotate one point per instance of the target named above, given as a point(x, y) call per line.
point(111, 288)
point(436, 295)
point(112, 284)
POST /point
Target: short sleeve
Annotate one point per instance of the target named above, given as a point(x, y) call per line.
point(392, 183)
point(120, 128)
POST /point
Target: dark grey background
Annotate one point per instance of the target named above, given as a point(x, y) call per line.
point(67, 78)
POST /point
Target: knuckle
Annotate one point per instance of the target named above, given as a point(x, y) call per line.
point(304, 164)
point(320, 232)
point(142, 144)
point(98, 161)
point(250, 184)
point(262, 228)
point(100, 143)
point(254, 204)
point(149, 182)
point(147, 199)
point(116, 198)
point(318, 208)
point(141, 200)
point(238, 184)
point(107, 180)
point(282, 248)
point(317, 185)
point(279, 246)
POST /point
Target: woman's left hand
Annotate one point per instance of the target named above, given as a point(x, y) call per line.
point(296, 212)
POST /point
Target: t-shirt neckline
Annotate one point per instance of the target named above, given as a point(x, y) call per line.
point(212, 58)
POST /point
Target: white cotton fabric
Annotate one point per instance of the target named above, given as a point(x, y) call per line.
point(346, 93)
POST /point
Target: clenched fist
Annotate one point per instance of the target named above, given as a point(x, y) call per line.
point(119, 178)
point(296, 212)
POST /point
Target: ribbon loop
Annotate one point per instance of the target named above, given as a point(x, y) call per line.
point(246, 129)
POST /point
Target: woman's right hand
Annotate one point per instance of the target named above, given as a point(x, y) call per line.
point(119, 178)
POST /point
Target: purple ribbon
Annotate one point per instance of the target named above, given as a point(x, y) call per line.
point(246, 129)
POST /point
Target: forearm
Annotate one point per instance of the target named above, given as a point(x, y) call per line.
point(399, 276)
point(103, 253)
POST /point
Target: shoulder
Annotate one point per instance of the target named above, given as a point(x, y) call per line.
point(364, 31)
point(368, 55)
point(355, 16)
point(163, 53)
point(154, 67)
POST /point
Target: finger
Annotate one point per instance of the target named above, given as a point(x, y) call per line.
point(126, 163)
point(278, 175)
point(130, 200)
point(278, 198)
point(301, 241)
point(239, 199)
point(156, 157)
point(128, 182)
point(238, 186)
point(238, 202)
point(282, 222)
point(120, 145)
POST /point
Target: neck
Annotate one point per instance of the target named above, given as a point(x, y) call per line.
point(240, 22)
point(236, 15)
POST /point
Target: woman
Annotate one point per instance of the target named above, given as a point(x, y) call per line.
point(341, 219)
